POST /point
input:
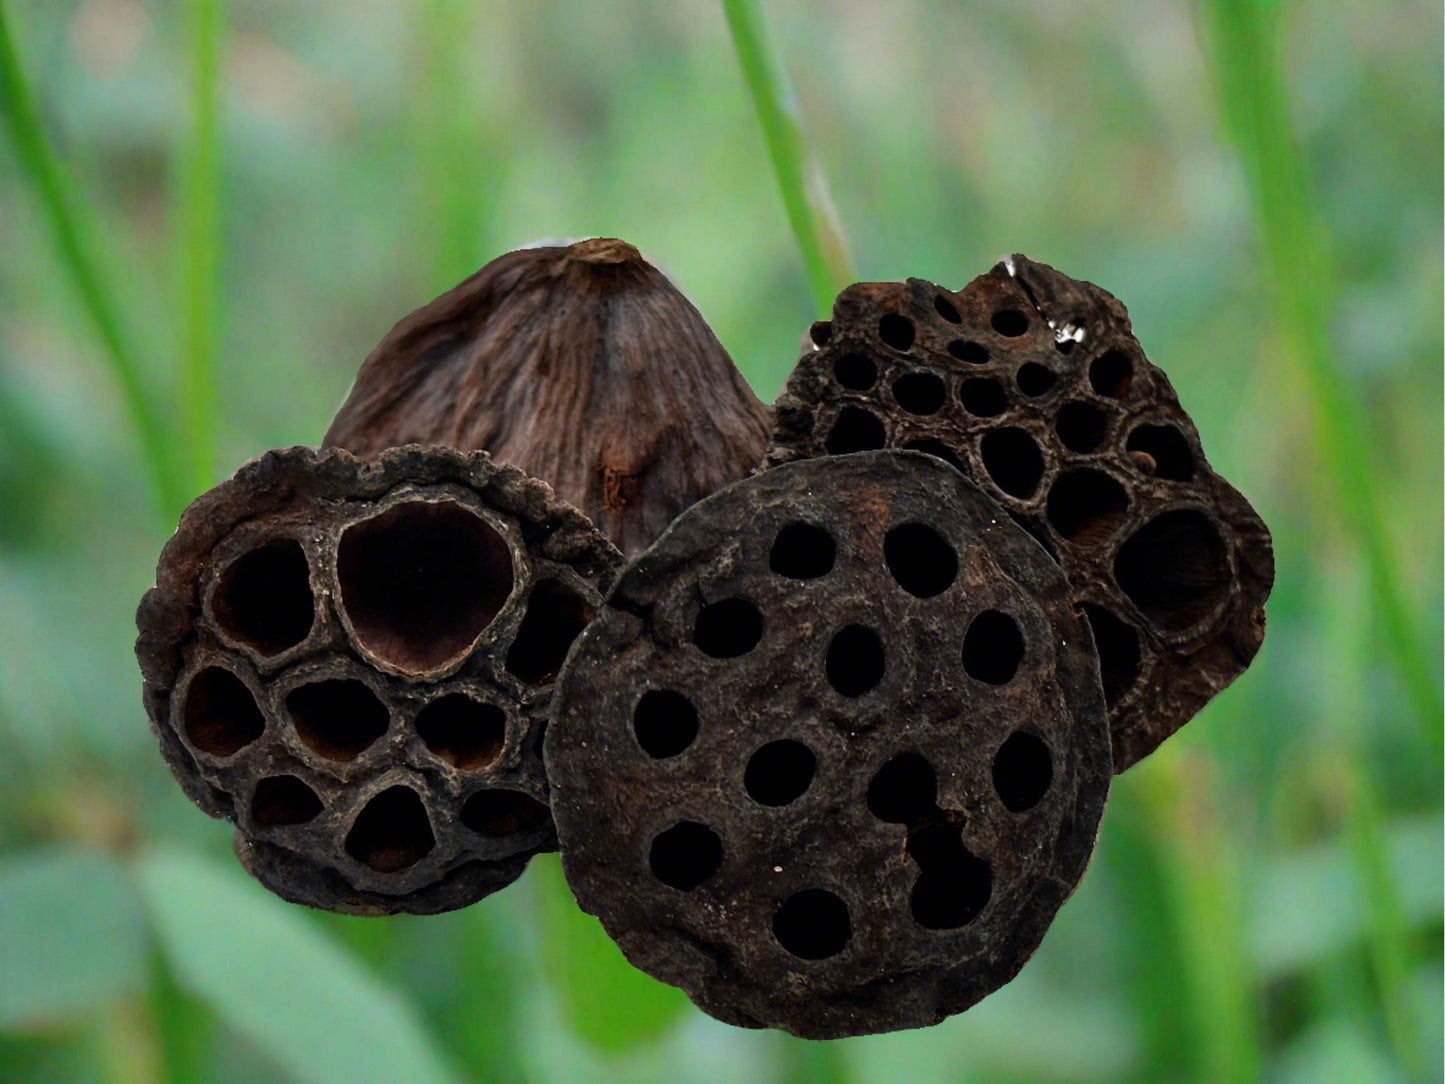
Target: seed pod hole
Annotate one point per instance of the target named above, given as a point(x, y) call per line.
point(556, 615)
point(281, 800)
point(338, 718)
point(1086, 506)
point(728, 628)
point(896, 331)
point(392, 832)
point(1175, 568)
point(421, 581)
point(920, 559)
point(221, 716)
point(685, 855)
point(953, 885)
point(1022, 771)
point(855, 372)
point(502, 813)
point(813, 924)
point(1013, 461)
point(1034, 379)
point(993, 647)
point(263, 599)
point(971, 352)
point(466, 733)
point(944, 308)
point(802, 552)
point(983, 398)
point(820, 332)
point(904, 790)
point(1010, 323)
point(779, 773)
point(920, 393)
point(1081, 426)
point(1111, 374)
point(855, 661)
point(856, 430)
point(665, 723)
point(1166, 446)
point(1118, 646)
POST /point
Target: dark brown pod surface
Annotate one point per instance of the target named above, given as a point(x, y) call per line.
point(582, 365)
point(1034, 386)
point(353, 660)
point(835, 751)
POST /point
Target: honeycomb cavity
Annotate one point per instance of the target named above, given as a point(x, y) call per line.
point(365, 687)
point(1050, 405)
point(875, 784)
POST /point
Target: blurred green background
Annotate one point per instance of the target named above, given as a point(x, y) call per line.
point(210, 212)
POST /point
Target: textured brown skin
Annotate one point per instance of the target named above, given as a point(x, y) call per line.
point(582, 365)
point(310, 496)
point(610, 797)
point(1180, 668)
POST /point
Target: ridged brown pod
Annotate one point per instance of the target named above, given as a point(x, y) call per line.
point(582, 365)
point(1034, 386)
point(353, 660)
point(835, 751)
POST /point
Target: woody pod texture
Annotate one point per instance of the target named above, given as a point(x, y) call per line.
point(833, 748)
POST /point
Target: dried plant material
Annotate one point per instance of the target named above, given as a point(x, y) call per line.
point(352, 660)
point(1034, 386)
point(582, 365)
point(835, 751)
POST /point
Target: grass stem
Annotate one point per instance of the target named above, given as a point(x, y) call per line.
point(820, 241)
point(199, 244)
point(76, 245)
point(1245, 52)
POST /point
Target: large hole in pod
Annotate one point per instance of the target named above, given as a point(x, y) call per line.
point(1086, 506)
point(466, 733)
point(556, 615)
point(263, 599)
point(421, 581)
point(338, 718)
point(1175, 568)
point(392, 833)
point(813, 924)
point(685, 855)
point(220, 714)
point(1022, 771)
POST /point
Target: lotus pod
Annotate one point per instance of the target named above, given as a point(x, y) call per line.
point(835, 751)
point(582, 365)
point(352, 660)
point(1034, 386)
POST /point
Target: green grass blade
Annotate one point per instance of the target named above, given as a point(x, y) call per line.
point(820, 242)
point(1244, 39)
point(200, 245)
point(76, 246)
point(1200, 886)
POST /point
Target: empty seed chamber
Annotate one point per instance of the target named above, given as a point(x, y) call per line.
point(835, 750)
point(1034, 386)
point(352, 661)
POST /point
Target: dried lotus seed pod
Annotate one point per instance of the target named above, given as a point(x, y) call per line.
point(582, 365)
point(1034, 386)
point(835, 751)
point(352, 661)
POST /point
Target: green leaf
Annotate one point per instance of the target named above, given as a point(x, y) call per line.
point(606, 1001)
point(280, 981)
point(71, 935)
point(1310, 905)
